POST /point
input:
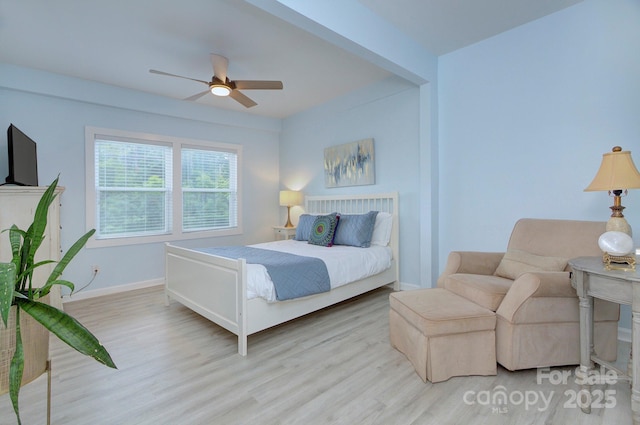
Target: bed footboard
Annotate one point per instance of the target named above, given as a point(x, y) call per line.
point(212, 286)
point(216, 287)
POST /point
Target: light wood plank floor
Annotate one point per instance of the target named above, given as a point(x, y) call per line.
point(331, 367)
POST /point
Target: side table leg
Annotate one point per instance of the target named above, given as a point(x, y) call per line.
point(586, 345)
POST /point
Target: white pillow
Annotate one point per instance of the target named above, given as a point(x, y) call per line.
point(382, 229)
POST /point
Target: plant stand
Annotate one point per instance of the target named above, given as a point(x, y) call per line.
point(48, 392)
point(35, 339)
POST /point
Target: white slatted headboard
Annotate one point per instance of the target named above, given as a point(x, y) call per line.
point(360, 204)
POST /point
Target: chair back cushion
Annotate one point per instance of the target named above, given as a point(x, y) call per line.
point(557, 238)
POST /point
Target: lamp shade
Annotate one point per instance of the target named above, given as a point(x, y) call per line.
point(617, 172)
point(289, 198)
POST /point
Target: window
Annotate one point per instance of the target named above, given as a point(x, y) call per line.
point(130, 188)
point(133, 189)
point(209, 194)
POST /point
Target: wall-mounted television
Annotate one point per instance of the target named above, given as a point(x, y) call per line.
point(23, 160)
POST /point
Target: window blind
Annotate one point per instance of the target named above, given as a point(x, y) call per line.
point(133, 188)
point(154, 188)
point(209, 189)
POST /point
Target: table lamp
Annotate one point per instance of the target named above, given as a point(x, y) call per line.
point(617, 173)
point(290, 198)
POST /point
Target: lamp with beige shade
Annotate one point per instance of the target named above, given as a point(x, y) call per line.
point(290, 198)
point(616, 175)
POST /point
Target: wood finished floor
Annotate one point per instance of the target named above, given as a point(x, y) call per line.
point(331, 367)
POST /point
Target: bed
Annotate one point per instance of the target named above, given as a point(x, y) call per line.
point(216, 287)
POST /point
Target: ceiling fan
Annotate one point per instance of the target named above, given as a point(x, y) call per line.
point(221, 85)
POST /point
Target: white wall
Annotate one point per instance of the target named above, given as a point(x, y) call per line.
point(525, 118)
point(388, 113)
point(56, 121)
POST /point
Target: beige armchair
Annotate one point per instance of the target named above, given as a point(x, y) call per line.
point(530, 290)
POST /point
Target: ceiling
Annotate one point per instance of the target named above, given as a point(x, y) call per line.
point(116, 42)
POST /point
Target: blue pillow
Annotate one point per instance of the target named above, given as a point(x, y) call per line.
point(356, 229)
point(324, 229)
point(303, 231)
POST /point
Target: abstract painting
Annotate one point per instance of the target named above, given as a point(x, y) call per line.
point(351, 164)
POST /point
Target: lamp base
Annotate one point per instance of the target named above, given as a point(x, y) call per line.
point(618, 224)
point(614, 262)
point(288, 223)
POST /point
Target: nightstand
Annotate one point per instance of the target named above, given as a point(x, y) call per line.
point(282, 232)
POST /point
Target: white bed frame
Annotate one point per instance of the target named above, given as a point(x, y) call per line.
point(216, 287)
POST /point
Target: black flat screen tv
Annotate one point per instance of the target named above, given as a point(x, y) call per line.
point(23, 160)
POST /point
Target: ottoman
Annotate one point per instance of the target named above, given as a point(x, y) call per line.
point(443, 334)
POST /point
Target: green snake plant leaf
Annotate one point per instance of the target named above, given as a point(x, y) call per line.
point(39, 224)
point(28, 271)
point(16, 369)
point(68, 329)
point(29, 268)
point(7, 283)
point(66, 259)
point(39, 292)
point(16, 236)
point(35, 234)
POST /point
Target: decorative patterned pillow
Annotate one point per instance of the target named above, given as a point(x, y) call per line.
point(323, 230)
point(303, 231)
point(355, 229)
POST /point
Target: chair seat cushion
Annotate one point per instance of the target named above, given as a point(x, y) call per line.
point(436, 311)
point(487, 291)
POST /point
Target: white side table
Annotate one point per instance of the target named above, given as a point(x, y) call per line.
point(282, 232)
point(591, 280)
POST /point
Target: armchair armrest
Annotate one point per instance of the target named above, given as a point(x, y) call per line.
point(535, 285)
point(470, 262)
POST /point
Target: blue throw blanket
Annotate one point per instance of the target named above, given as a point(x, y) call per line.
point(293, 275)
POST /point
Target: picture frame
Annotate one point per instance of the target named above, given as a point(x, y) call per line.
point(350, 164)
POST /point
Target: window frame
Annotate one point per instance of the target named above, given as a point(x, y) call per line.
point(177, 144)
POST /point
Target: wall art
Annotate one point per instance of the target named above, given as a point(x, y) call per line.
point(351, 164)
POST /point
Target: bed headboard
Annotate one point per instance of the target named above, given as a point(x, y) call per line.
point(360, 204)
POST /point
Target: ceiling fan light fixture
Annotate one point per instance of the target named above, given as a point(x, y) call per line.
point(220, 85)
point(220, 89)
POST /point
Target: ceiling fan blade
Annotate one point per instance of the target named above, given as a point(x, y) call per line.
point(244, 100)
point(154, 71)
point(220, 66)
point(197, 96)
point(258, 85)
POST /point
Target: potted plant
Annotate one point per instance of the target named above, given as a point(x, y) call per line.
point(19, 295)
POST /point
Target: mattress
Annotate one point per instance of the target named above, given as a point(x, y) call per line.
point(345, 264)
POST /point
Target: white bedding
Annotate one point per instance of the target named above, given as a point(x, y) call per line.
point(345, 264)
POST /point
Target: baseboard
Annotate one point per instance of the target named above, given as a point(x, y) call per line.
point(149, 283)
point(408, 286)
point(112, 290)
